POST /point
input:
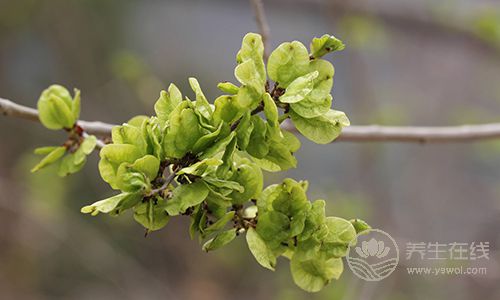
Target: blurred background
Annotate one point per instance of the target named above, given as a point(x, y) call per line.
point(406, 63)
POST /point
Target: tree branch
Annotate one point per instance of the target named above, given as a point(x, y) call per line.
point(12, 109)
point(260, 17)
point(369, 133)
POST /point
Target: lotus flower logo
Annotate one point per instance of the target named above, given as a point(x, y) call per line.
point(375, 257)
point(372, 248)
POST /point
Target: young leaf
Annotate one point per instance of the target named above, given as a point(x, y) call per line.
point(325, 44)
point(75, 105)
point(252, 49)
point(44, 150)
point(112, 156)
point(71, 163)
point(360, 225)
point(311, 109)
point(202, 104)
point(183, 132)
point(313, 274)
point(167, 102)
point(287, 62)
point(259, 249)
point(249, 176)
point(55, 108)
point(244, 131)
point(112, 204)
point(147, 165)
point(220, 240)
point(185, 196)
point(52, 157)
point(151, 215)
point(299, 88)
point(220, 224)
point(323, 129)
point(257, 146)
point(128, 134)
point(228, 87)
point(319, 100)
point(227, 109)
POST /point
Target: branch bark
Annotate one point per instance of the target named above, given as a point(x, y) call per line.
point(264, 30)
point(369, 133)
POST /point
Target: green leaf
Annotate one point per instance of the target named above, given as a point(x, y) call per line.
point(339, 231)
point(202, 104)
point(313, 274)
point(278, 158)
point(270, 110)
point(185, 196)
point(88, 144)
point(183, 132)
point(45, 150)
point(114, 204)
point(299, 88)
point(219, 224)
point(208, 139)
point(128, 180)
point(248, 97)
point(219, 146)
point(249, 176)
point(266, 198)
point(128, 134)
point(228, 87)
point(244, 131)
point(247, 74)
point(252, 49)
point(75, 105)
point(257, 146)
point(71, 164)
point(200, 167)
point(52, 157)
point(227, 109)
point(112, 156)
point(274, 228)
point(314, 220)
point(223, 184)
point(324, 45)
point(292, 199)
point(137, 121)
point(153, 135)
point(310, 109)
point(287, 62)
point(360, 225)
point(227, 159)
point(290, 141)
point(167, 102)
point(323, 129)
point(151, 215)
point(319, 100)
point(220, 240)
point(55, 108)
point(259, 250)
point(147, 165)
point(74, 162)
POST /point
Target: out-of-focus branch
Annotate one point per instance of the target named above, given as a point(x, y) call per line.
point(369, 133)
point(260, 17)
point(413, 15)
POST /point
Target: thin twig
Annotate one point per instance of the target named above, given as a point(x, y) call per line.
point(369, 133)
point(12, 109)
point(168, 181)
point(260, 17)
